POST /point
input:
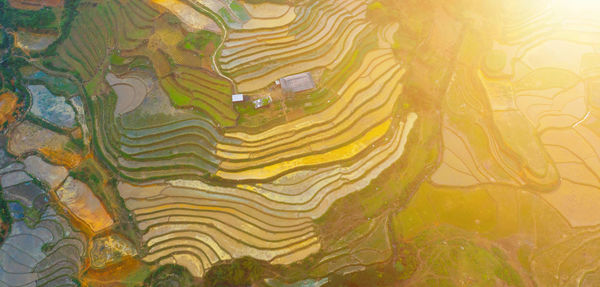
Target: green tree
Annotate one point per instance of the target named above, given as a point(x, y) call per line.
point(237, 273)
point(169, 275)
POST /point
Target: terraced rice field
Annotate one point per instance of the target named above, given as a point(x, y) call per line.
point(255, 58)
point(24, 264)
point(85, 51)
point(41, 249)
point(268, 15)
point(303, 166)
point(202, 194)
point(443, 143)
point(193, 19)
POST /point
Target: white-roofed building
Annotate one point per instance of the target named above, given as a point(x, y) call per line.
point(237, 98)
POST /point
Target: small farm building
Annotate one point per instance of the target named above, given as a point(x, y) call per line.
point(297, 83)
point(237, 98)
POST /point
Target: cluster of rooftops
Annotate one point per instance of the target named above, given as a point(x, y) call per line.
point(290, 84)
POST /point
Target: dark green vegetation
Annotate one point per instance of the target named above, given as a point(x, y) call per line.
point(91, 174)
point(68, 15)
point(32, 216)
point(169, 275)
point(43, 19)
point(5, 219)
point(240, 272)
point(11, 79)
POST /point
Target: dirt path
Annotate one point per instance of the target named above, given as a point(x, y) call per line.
point(203, 9)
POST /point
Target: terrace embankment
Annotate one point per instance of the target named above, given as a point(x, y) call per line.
point(203, 189)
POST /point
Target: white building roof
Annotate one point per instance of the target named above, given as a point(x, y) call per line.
point(237, 98)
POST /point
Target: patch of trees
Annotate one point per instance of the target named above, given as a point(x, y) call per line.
point(240, 272)
point(5, 219)
point(11, 79)
point(89, 173)
point(68, 15)
point(12, 18)
point(169, 275)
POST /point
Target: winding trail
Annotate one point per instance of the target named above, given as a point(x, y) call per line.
point(205, 10)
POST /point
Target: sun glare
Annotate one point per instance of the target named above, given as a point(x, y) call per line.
point(577, 8)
